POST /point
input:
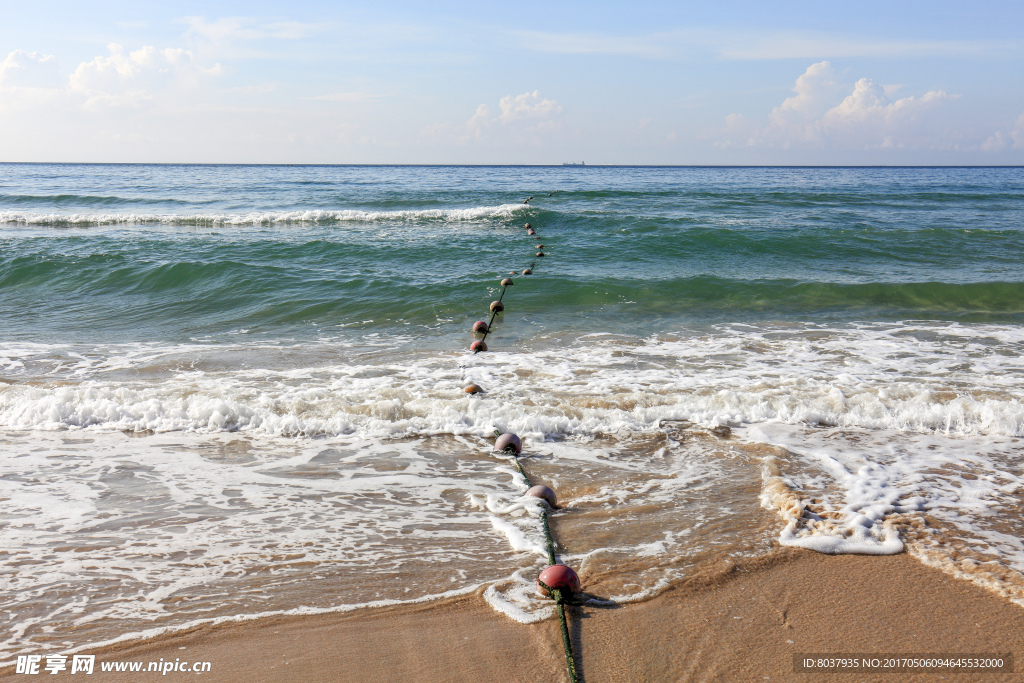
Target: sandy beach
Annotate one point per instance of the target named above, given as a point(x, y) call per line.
point(741, 622)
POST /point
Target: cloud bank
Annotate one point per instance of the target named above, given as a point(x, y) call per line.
point(821, 115)
point(521, 119)
point(130, 78)
point(1012, 139)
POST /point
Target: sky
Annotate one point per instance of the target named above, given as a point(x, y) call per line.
point(899, 82)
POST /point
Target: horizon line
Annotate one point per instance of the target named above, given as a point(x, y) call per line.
point(495, 165)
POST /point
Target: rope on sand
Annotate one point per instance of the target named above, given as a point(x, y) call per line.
point(563, 595)
point(560, 600)
point(563, 580)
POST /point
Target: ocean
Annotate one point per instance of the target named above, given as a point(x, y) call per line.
point(236, 391)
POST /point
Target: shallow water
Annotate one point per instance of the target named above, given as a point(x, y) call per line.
point(233, 391)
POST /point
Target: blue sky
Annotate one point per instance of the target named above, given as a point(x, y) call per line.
point(529, 82)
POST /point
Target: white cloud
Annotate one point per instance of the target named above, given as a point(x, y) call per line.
point(132, 78)
point(246, 28)
point(525, 118)
point(347, 97)
point(1014, 139)
point(745, 45)
point(866, 118)
point(29, 69)
point(814, 89)
point(479, 122)
point(819, 45)
point(652, 46)
point(527, 106)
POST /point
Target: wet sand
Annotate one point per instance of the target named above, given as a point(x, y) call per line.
point(740, 622)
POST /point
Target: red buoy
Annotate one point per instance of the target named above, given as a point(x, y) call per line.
point(480, 326)
point(508, 440)
point(558, 576)
point(507, 282)
point(541, 491)
point(478, 345)
point(473, 389)
point(497, 306)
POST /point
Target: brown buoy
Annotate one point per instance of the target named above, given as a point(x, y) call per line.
point(540, 253)
point(531, 231)
point(541, 491)
point(508, 441)
point(527, 271)
point(497, 306)
point(480, 326)
point(540, 246)
point(477, 346)
point(507, 282)
point(558, 576)
point(473, 389)
point(528, 226)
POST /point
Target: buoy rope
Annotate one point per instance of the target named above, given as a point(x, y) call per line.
point(570, 660)
point(550, 542)
point(560, 596)
point(494, 314)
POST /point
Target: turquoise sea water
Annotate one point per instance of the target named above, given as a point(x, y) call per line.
point(228, 390)
point(155, 253)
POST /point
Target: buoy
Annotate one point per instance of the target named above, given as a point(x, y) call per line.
point(531, 231)
point(508, 440)
point(480, 326)
point(473, 389)
point(547, 494)
point(527, 271)
point(558, 576)
point(528, 226)
point(507, 282)
point(540, 253)
point(478, 345)
point(497, 306)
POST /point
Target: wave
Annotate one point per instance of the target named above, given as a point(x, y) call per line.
point(329, 273)
point(321, 412)
point(917, 378)
point(297, 217)
point(90, 200)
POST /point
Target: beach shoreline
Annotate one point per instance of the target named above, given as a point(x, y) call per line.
point(741, 621)
point(235, 428)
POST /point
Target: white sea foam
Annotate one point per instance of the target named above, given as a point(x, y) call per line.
point(949, 379)
point(516, 598)
point(871, 490)
point(871, 426)
point(307, 217)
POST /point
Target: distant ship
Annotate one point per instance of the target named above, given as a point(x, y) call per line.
point(573, 163)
